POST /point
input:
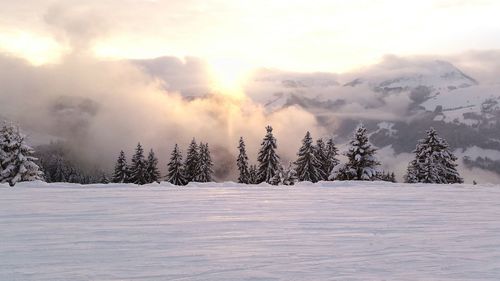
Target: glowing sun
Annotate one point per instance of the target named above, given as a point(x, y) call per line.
point(228, 76)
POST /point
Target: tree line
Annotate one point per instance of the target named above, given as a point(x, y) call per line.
point(197, 167)
point(433, 163)
point(316, 161)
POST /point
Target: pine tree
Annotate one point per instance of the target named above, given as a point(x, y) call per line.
point(152, 172)
point(321, 153)
point(307, 165)
point(392, 177)
point(267, 158)
point(386, 176)
point(205, 166)
point(289, 175)
point(104, 179)
point(361, 164)
point(175, 168)
point(242, 163)
point(122, 173)
point(138, 168)
point(253, 175)
point(433, 163)
point(278, 176)
point(16, 157)
point(331, 155)
point(191, 168)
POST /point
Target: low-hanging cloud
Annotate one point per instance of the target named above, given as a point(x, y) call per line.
point(100, 107)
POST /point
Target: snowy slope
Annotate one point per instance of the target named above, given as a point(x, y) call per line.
point(436, 75)
point(328, 231)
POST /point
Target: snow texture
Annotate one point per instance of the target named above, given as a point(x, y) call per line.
point(228, 231)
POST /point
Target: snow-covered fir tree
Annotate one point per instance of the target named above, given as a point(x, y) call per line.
point(104, 179)
point(278, 176)
point(289, 175)
point(205, 165)
point(434, 162)
point(175, 174)
point(253, 175)
point(152, 171)
point(242, 163)
point(361, 164)
point(267, 158)
point(331, 154)
point(321, 154)
point(138, 173)
point(307, 165)
point(121, 173)
point(386, 176)
point(191, 168)
point(17, 162)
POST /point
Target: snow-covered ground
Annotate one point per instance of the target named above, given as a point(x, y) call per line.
point(330, 231)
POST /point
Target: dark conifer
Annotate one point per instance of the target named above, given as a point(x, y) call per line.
point(433, 163)
point(175, 168)
point(308, 167)
point(191, 165)
point(267, 158)
point(321, 153)
point(242, 163)
point(152, 171)
point(331, 154)
point(361, 164)
point(122, 173)
point(205, 165)
point(138, 167)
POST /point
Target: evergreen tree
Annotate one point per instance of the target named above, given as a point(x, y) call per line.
point(175, 168)
point(267, 158)
point(242, 163)
point(278, 176)
point(308, 167)
point(386, 176)
point(191, 166)
point(138, 173)
point(361, 164)
point(122, 173)
point(331, 155)
point(205, 166)
point(289, 175)
point(253, 175)
point(433, 163)
point(392, 177)
point(321, 153)
point(104, 179)
point(411, 173)
point(16, 157)
point(152, 172)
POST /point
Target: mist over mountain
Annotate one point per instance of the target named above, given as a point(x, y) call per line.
point(398, 99)
point(99, 107)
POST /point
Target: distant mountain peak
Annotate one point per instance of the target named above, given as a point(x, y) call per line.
point(438, 75)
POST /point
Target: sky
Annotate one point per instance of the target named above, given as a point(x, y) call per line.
point(234, 36)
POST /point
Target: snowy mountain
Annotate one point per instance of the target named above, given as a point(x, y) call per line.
point(398, 100)
point(435, 76)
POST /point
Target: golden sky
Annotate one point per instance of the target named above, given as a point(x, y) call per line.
point(319, 35)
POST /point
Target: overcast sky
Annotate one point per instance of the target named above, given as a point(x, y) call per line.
point(320, 35)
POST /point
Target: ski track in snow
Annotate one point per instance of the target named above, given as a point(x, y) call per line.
point(327, 231)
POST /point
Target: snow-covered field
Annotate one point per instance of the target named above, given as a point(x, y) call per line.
point(334, 231)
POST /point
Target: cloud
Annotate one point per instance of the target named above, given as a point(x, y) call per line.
point(79, 25)
point(100, 107)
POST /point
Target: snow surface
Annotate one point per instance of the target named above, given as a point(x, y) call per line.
point(325, 231)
